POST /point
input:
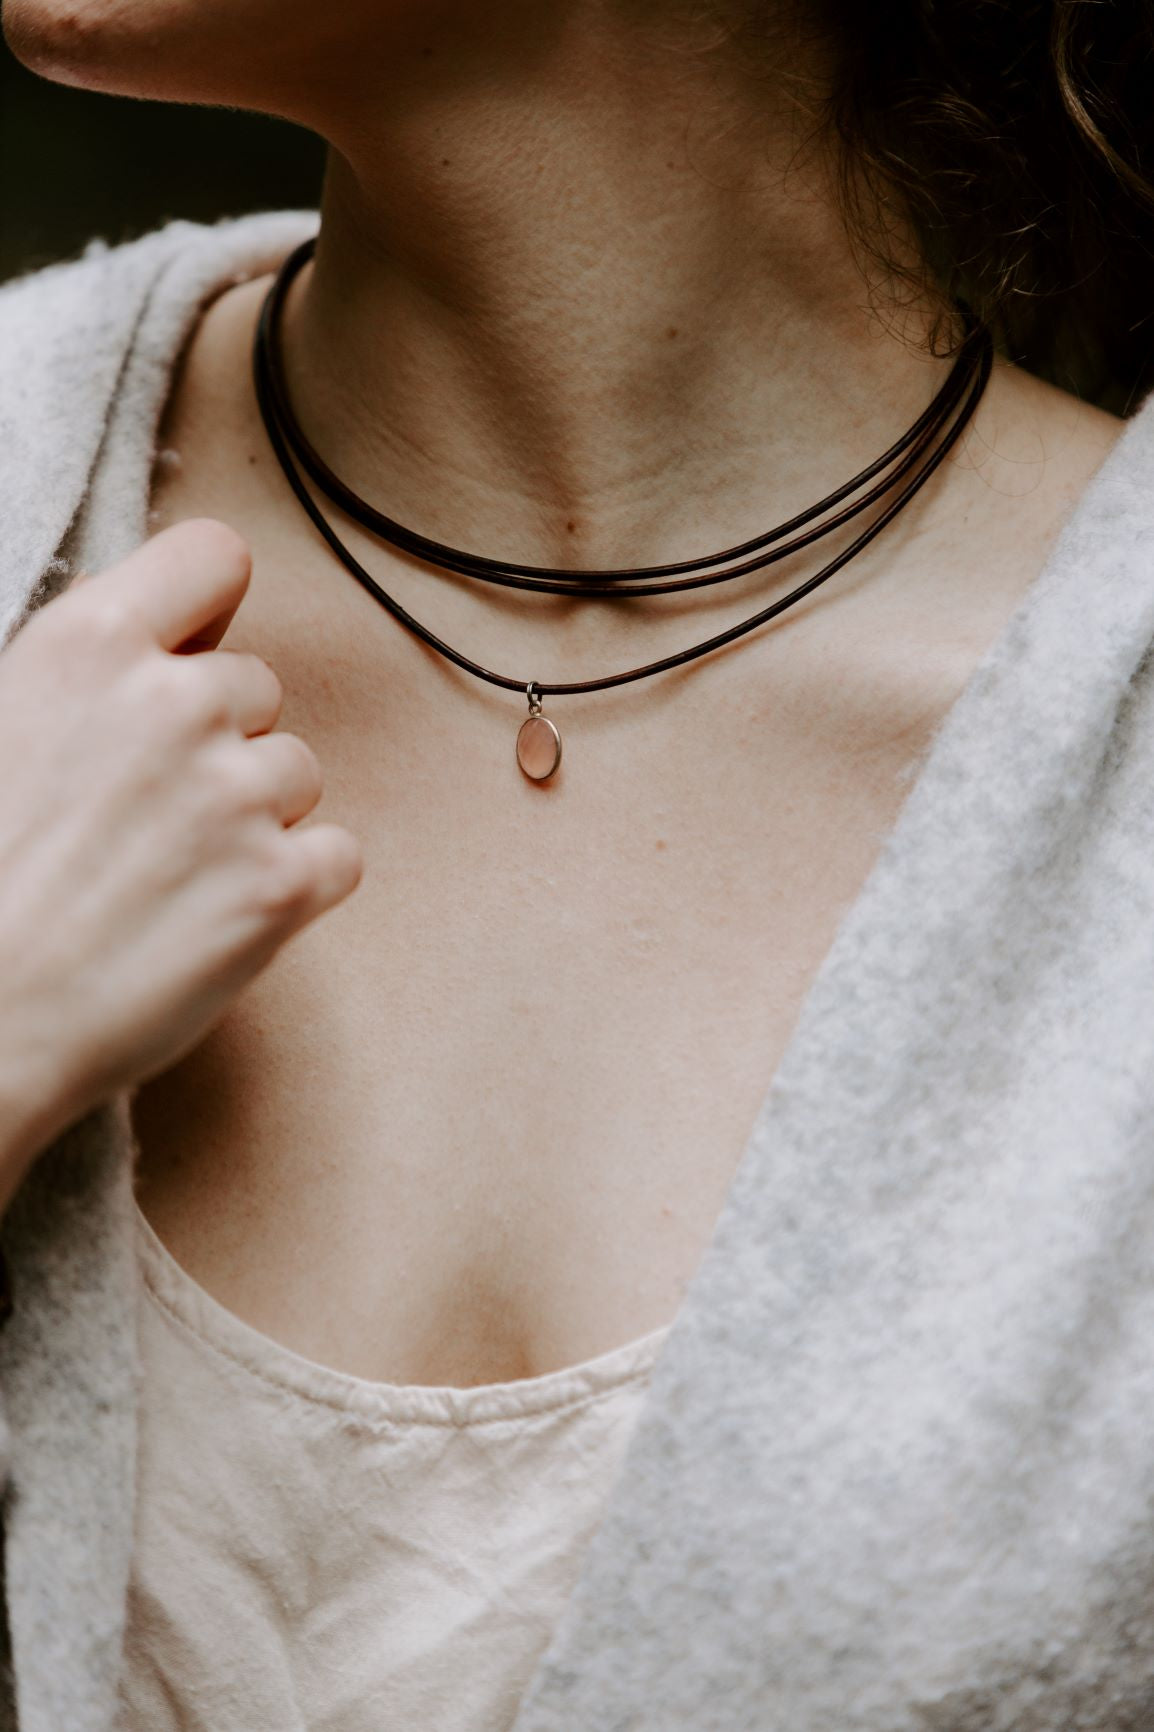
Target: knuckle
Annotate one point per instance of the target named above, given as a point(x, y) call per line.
point(235, 786)
point(99, 620)
point(284, 883)
point(188, 697)
point(157, 693)
point(341, 865)
point(270, 675)
point(308, 765)
point(349, 858)
point(269, 682)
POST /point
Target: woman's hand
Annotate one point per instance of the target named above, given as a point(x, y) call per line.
point(149, 867)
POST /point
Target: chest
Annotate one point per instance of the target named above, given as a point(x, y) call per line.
point(479, 1121)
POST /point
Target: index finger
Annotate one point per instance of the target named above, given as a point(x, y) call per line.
point(186, 582)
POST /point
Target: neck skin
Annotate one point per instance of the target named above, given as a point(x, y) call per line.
point(580, 298)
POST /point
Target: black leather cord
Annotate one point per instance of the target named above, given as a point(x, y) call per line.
point(925, 443)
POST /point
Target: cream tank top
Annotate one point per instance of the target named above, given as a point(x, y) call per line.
point(315, 1552)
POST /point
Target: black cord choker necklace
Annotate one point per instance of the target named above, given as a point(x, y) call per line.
point(890, 482)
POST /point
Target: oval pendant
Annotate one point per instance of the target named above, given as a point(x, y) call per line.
point(538, 742)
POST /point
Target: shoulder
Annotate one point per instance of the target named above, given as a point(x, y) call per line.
point(65, 333)
point(1033, 440)
point(1055, 473)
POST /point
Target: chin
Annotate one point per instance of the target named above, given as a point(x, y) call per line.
point(160, 49)
point(66, 40)
point(265, 55)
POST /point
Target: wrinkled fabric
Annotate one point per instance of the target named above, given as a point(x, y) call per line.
point(320, 1553)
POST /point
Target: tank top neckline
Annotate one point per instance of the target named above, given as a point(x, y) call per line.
point(189, 1306)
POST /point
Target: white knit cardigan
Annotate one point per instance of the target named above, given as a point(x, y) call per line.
point(895, 1472)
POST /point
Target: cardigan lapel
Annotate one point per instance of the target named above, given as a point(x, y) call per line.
point(66, 1352)
point(87, 352)
point(802, 1519)
point(64, 333)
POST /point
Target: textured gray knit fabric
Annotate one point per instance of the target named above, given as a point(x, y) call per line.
point(86, 354)
point(896, 1469)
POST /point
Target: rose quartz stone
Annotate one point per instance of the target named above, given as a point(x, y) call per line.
point(538, 748)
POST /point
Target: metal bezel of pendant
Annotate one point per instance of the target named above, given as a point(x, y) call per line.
point(530, 729)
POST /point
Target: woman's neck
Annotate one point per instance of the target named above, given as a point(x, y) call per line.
point(584, 295)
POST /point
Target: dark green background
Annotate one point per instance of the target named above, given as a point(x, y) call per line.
point(74, 165)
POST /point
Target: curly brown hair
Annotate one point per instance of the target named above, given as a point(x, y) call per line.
point(1015, 136)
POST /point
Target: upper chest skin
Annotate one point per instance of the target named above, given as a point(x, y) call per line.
point(478, 1122)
